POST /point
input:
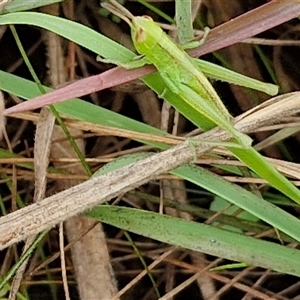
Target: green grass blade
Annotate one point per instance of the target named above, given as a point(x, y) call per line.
point(256, 162)
point(184, 22)
point(78, 33)
point(19, 5)
point(201, 237)
point(244, 199)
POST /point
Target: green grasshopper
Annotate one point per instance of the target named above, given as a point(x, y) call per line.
point(178, 70)
point(185, 79)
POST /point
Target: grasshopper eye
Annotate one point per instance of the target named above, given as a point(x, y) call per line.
point(140, 35)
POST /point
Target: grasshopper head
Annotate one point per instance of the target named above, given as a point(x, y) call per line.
point(145, 34)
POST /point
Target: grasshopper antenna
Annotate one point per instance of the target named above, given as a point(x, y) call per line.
point(118, 10)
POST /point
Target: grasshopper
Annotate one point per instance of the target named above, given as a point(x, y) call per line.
point(178, 70)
